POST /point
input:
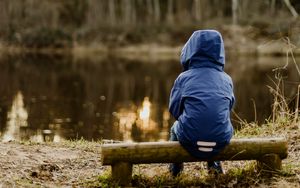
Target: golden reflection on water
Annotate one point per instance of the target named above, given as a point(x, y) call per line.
point(143, 119)
point(144, 122)
point(126, 118)
point(134, 123)
point(145, 110)
point(17, 118)
point(17, 124)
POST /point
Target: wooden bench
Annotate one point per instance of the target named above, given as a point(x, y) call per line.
point(121, 156)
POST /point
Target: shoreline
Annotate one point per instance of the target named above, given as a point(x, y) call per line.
point(153, 51)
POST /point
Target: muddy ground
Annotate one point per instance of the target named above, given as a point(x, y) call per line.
point(48, 165)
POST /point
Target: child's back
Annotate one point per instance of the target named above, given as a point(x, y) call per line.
point(202, 96)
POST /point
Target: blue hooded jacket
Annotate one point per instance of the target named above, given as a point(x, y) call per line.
point(202, 96)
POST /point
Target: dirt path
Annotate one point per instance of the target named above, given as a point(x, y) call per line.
point(48, 165)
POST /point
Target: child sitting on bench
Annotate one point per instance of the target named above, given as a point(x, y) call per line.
point(201, 100)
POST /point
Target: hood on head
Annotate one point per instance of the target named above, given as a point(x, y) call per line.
point(203, 47)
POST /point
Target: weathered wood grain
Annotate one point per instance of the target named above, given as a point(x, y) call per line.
point(165, 152)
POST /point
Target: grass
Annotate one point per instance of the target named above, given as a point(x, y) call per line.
point(248, 176)
point(92, 146)
point(104, 180)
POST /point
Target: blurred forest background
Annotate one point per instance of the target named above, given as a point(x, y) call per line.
point(61, 24)
point(94, 68)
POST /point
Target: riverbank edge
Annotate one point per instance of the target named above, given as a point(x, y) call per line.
point(153, 51)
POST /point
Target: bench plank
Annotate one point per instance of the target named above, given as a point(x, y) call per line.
point(268, 152)
point(166, 152)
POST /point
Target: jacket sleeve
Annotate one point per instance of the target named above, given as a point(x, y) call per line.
point(175, 106)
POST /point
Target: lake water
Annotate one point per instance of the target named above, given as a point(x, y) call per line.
point(59, 97)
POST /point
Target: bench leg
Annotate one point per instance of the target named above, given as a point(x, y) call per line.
point(269, 163)
point(122, 172)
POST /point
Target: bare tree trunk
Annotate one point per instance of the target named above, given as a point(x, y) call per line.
point(234, 11)
point(273, 3)
point(170, 13)
point(127, 11)
point(156, 11)
point(291, 8)
point(181, 12)
point(149, 10)
point(95, 14)
point(112, 14)
point(197, 10)
point(4, 15)
point(133, 12)
point(205, 14)
point(219, 4)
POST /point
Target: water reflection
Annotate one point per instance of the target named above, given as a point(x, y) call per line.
point(113, 98)
point(137, 123)
point(17, 125)
point(145, 123)
point(126, 119)
point(17, 119)
point(144, 112)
